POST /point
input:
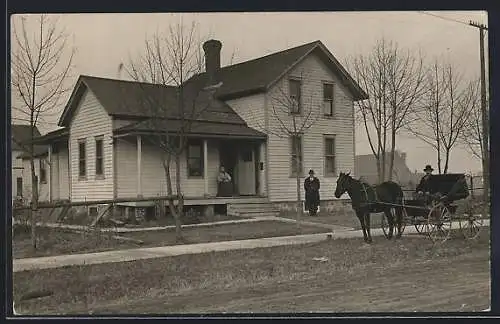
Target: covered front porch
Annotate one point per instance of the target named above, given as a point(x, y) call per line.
point(140, 171)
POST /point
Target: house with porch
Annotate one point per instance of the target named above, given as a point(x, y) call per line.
point(21, 168)
point(104, 149)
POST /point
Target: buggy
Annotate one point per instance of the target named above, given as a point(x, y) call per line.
point(433, 213)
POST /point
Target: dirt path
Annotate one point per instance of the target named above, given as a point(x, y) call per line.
point(456, 284)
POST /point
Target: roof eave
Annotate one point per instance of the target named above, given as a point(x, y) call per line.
point(123, 133)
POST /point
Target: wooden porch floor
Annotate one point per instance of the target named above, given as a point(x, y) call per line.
point(192, 201)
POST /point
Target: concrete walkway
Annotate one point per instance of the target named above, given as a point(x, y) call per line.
point(166, 251)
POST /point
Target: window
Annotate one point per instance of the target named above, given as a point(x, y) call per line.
point(43, 171)
point(330, 156)
point(195, 158)
point(99, 157)
point(82, 164)
point(328, 99)
point(19, 187)
point(36, 186)
point(296, 156)
point(295, 96)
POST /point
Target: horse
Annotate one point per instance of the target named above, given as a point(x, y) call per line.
point(366, 199)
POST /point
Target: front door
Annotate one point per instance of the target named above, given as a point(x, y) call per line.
point(246, 170)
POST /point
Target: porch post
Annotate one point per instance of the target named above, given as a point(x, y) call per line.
point(50, 172)
point(139, 166)
point(205, 165)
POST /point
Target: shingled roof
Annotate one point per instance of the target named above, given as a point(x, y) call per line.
point(122, 98)
point(259, 74)
point(127, 98)
point(21, 134)
point(197, 128)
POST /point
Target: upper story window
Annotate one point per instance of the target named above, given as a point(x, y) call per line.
point(295, 96)
point(328, 102)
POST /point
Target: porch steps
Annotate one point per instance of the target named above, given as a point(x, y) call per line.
point(256, 209)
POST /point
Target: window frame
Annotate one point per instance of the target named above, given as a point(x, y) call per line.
point(99, 159)
point(42, 167)
point(82, 176)
point(331, 100)
point(297, 81)
point(293, 155)
point(198, 143)
point(19, 188)
point(329, 155)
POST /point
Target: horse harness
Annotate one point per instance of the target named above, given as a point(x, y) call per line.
point(364, 185)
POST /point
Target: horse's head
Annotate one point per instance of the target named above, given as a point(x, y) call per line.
point(342, 184)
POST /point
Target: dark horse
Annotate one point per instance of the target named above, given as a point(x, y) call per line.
point(366, 199)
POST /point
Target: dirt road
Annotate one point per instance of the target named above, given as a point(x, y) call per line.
point(455, 284)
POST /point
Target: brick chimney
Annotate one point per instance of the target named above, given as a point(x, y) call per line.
point(212, 60)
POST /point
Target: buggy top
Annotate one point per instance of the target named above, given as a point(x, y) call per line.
point(452, 185)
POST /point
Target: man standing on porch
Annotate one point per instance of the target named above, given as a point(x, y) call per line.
point(311, 187)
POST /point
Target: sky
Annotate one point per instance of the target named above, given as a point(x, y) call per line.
point(103, 41)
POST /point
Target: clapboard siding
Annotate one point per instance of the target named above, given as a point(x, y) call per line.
point(64, 181)
point(312, 71)
point(126, 172)
point(43, 188)
point(252, 110)
point(153, 174)
point(91, 120)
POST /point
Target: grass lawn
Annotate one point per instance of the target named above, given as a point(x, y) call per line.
point(57, 241)
point(228, 232)
point(410, 274)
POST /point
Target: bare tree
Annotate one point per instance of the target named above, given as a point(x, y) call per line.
point(444, 114)
point(41, 62)
point(472, 134)
point(292, 115)
point(394, 81)
point(168, 60)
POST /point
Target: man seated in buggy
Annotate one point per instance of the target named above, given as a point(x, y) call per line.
point(424, 187)
point(446, 187)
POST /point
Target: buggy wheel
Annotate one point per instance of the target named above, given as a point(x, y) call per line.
point(439, 223)
point(471, 226)
point(421, 226)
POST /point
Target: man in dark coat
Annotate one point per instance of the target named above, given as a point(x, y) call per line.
point(423, 186)
point(311, 187)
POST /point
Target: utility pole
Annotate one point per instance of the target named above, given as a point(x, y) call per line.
point(485, 123)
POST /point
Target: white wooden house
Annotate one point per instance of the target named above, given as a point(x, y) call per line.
point(102, 150)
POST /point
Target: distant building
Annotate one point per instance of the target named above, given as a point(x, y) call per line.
point(366, 169)
point(21, 175)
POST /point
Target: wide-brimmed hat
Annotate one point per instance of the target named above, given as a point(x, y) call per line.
point(428, 168)
point(311, 171)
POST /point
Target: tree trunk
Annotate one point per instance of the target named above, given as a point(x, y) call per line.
point(34, 187)
point(299, 200)
point(180, 197)
point(446, 160)
point(393, 148)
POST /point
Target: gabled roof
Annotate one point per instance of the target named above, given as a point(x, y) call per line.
point(260, 74)
point(122, 98)
point(21, 134)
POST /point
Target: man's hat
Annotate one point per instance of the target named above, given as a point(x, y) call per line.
point(311, 171)
point(428, 168)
